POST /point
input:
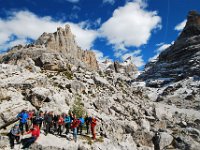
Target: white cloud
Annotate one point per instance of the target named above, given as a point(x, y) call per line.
point(109, 1)
point(152, 59)
point(13, 43)
point(84, 36)
point(97, 22)
point(180, 26)
point(162, 47)
point(136, 58)
point(130, 25)
point(160, 44)
point(100, 56)
point(25, 24)
point(73, 1)
point(118, 53)
point(76, 8)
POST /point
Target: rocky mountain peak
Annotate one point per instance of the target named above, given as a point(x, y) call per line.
point(193, 18)
point(192, 26)
point(53, 51)
point(62, 41)
point(181, 60)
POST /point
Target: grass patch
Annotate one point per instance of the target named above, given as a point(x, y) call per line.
point(100, 139)
point(90, 141)
point(4, 133)
point(68, 75)
point(87, 139)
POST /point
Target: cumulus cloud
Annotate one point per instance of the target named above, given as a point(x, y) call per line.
point(100, 56)
point(130, 25)
point(109, 1)
point(12, 43)
point(84, 36)
point(97, 22)
point(180, 26)
point(136, 57)
point(25, 24)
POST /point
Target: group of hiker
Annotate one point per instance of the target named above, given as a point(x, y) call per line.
point(31, 122)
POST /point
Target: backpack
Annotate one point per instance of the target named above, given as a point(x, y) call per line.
point(75, 123)
point(82, 121)
point(67, 119)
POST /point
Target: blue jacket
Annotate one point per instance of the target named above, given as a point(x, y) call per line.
point(67, 119)
point(82, 120)
point(23, 117)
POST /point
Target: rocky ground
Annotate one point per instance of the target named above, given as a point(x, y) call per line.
point(128, 112)
point(129, 109)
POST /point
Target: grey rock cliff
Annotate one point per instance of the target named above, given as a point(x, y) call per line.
point(53, 51)
point(180, 60)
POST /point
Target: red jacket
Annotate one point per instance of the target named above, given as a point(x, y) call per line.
point(30, 115)
point(93, 122)
point(60, 121)
point(75, 123)
point(35, 131)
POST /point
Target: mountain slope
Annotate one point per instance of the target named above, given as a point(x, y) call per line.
point(181, 59)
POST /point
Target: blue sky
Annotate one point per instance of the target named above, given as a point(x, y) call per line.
point(113, 29)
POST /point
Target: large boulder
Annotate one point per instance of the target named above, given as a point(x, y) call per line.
point(100, 81)
point(38, 95)
point(166, 140)
point(77, 87)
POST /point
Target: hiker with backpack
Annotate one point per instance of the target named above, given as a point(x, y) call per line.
point(74, 125)
point(67, 121)
point(35, 133)
point(48, 122)
point(60, 124)
point(80, 127)
point(93, 129)
point(23, 118)
point(14, 135)
point(38, 119)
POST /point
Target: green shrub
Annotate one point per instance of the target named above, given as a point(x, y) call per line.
point(68, 75)
point(78, 107)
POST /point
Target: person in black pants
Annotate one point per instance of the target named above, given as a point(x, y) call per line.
point(48, 122)
point(156, 141)
point(35, 133)
point(23, 117)
point(87, 122)
point(55, 122)
point(80, 127)
point(14, 135)
point(60, 124)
